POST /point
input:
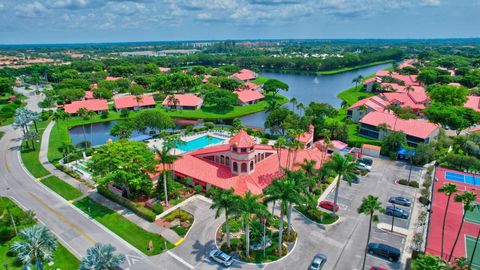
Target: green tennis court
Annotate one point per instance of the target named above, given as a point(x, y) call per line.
point(470, 244)
point(473, 216)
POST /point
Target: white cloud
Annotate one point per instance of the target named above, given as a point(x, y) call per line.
point(31, 10)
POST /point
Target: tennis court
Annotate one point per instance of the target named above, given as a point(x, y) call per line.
point(463, 178)
point(470, 245)
point(473, 216)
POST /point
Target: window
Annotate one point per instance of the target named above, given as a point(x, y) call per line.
point(227, 161)
point(244, 167)
point(222, 159)
point(235, 167)
point(251, 165)
point(243, 150)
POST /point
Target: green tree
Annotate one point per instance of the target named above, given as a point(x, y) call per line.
point(448, 94)
point(166, 160)
point(369, 206)
point(468, 199)
point(455, 117)
point(343, 167)
point(221, 99)
point(36, 247)
point(249, 207)
point(357, 80)
point(122, 129)
point(429, 262)
point(449, 189)
point(228, 203)
point(274, 86)
point(124, 163)
point(70, 94)
point(237, 125)
point(101, 257)
point(275, 120)
point(153, 120)
point(66, 149)
point(6, 85)
point(103, 93)
point(392, 143)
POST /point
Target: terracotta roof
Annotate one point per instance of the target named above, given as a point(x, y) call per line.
point(111, 78)
point(374, 103)
point(455, 84)
point(93, 86)
point(413, 127)
point(402, 99)
point(242, 139)
point(88, 95)
point(307, 136)
point(244, 75)
point(253, 86)
point(371, 80)
point(370, 146)
point(335, 144)
point(164, 69)
point(407, 63)
point(91, 105)
point(189, 100)
point(131, 102)
point(249, 95)
point(473, 102)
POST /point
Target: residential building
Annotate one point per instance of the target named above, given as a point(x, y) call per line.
point(244, 75)
point(88, 95)
point(96, 105)
point(416, 131)
point(306, 138)
point(134, 102)
point(366, 105)
point(182, 102)
point(247, 97)
point(368, 84)
point(473, 102)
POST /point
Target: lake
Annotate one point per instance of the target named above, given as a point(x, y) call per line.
point(305, 88)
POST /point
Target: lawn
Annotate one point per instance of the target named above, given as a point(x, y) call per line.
point(336, 71)
point(260, 80)
point(1, 134)
point(63, 259)
point(61, 188)
point(31, 157)
point(124, 228)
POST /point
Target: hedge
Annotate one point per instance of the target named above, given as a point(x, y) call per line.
point(137, 209)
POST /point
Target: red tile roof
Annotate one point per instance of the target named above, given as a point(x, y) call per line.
point(91, 105)
point(371, 80)
point(88, 95)
point(93, 86)
point(473, 102)
point(307, 136)
point(111, 78)
point(189, 100)
point(374, 103)
point(249, 95)
point(242, 139)
point(407, 63)
point(131, 102)
point(402, 99)
point(253, 86)
point(244, 75)
point(413, 127)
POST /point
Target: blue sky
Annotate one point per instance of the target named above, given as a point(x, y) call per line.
point(78, 21)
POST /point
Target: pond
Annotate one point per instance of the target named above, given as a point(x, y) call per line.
point(318, 88)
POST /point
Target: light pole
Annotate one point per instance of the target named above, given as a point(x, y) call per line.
point(393, 217)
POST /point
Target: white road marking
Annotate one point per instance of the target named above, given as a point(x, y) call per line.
point(180, 260)
point(131, 259)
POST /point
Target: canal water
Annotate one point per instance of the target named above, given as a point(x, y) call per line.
point(305, 88)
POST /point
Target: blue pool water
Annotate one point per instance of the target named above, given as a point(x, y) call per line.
point(462, 178)
point(198, 143)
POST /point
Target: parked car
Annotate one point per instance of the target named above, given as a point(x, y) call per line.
point(396, 212)
point(386, 251)
point(328, 205)
point(400, 201)
point(364, 164)
point(354, 180)
point(221, 257)
point(318, 261)
point(377, 268)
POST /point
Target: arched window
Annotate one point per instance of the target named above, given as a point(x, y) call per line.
point(263, 156)
point(251, 165)
point(216, 159)
point(222, 159)
point(227, 161)
point(244, 167)
point(235, 167)
point(257, 157)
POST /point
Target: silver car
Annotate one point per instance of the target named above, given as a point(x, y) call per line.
point(221, 257)
point(318, 261)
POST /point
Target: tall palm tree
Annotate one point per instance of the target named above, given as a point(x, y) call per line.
point(249, 206)
point(66, 149)
point(101, 257)
point(165, 159)
point(357, 80)
point(294, 102)
point(301, 107)
point(369, 206)
point(449, 189)
point(281, 190)
point(36, 247)
point(228, 203)
point(468, 199)
point(279, 145)
point(343, 167)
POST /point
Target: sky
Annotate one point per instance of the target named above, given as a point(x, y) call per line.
point(85, 21)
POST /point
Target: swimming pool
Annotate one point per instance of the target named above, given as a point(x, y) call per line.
point(462, 178)
point(198, 143)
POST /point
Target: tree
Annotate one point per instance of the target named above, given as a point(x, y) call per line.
point(448, 94)
point(294, 102)
point(68, 94)
point(249, 207)
point(343, 167)
point(454, 117)
point(101, 257)
point(221, 99)
point(392, 143)
point(165, 159)
point(429, 262)
point(103, 93)
point(237, 125)
point(125, 164)
point(152, 120)
point(427, 76)
point(66, 149)
point(122, 130)
point(36, 247)
point(228, 203)
point(274, 86)
point(468, 199)
point(357, 80)
point(6, 85)
point(279, 145)
point(449, 189)
point(275, 120)
point(369, 206)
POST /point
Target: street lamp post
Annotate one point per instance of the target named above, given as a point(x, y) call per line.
point(393, 216)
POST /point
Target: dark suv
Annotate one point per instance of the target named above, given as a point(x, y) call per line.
point(386, 251)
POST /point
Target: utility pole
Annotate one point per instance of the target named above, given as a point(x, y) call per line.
point(393, 216)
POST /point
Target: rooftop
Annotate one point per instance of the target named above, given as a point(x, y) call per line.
point(473, 102)
point(189, 100)
point(246, 96)
point(374, 103)
point(244, 75)
point(242, 139)
point(131, 101)
point(90, 105)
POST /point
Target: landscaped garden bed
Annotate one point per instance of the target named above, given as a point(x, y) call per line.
point(178, 220)
point(405, 182)
point(317, 215)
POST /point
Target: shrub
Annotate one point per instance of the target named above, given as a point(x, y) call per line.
point(6, 233)
point(424, 201)
point(157, 208)
point(403, 182)
point(104, 114)
point(180, 230)
point(264, 141)
point(137, 209)
point(414, 184)
point(178, 214)
point(124, 113)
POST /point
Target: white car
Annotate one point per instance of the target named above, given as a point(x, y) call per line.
point(364, 164)
point(221, 257)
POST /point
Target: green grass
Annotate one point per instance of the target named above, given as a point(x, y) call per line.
point(1, 134)
point(63, 259)
point(336, 71)
point(124, 228)
point(31, 157)
point(61, 188)
point(354, 94)
point(260, 80)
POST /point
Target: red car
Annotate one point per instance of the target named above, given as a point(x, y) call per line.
point(328, 205)
point(377, 268)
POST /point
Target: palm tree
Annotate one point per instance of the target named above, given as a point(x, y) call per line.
point(325, 133)
point(225, 202)
point(37, 246)
point(165, 158)
point(279, 145)
point(101, 257)
point(449, 189)
point(59, 115)
point(468, 199)
point(301, 107)
point(294, 102)
point(281, 190)
point(250, 206)
point(357, 80)
point(66, 149)
point(343, 167)
point(369, 206)
point(409, 89)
